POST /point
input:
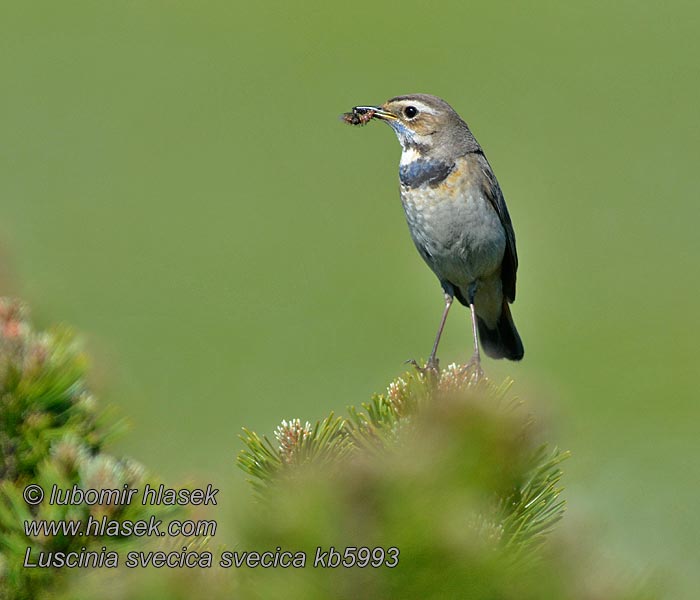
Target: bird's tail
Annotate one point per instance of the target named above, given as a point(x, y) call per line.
point(503, 341)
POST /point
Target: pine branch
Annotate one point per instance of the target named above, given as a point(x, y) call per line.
point(297, 445)
point(527, 500)
point(535, 506)
point(449, 471)
point(51, 433)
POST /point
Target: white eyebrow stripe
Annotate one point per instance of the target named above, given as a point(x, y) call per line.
point(421, 107)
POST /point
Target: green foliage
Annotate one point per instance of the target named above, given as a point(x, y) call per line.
point(523, 496)
point(448, 470)
point(51, 433)
point(527, 514)
point(297, 445)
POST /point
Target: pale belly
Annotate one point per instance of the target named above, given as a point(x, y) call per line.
point(459, 235)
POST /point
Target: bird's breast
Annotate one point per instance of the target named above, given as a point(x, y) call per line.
point(452, 222)
point(424, 172)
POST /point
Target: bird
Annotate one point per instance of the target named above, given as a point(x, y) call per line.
point(457, 218)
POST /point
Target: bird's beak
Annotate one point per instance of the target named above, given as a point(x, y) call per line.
point(379, 112)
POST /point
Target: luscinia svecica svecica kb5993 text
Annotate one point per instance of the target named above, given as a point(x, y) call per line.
point(457, 217)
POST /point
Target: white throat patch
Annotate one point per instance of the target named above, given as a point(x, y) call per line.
point(409, 155)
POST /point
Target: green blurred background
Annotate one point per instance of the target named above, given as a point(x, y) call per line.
point(176, 184)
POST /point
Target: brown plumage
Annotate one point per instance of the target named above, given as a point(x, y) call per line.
point(457, 217)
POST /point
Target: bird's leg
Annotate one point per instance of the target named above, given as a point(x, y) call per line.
point(433, 362)
point(475, 361)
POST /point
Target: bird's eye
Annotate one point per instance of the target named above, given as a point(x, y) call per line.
point(410, 112)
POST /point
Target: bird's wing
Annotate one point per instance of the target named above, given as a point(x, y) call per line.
point(493, 192)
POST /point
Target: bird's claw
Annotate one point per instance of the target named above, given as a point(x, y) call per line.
point(473, 368)
point(432, 367)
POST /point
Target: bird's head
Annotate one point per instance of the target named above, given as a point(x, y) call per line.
point(425, 124)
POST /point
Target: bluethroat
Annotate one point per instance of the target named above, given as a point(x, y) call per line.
point(457, 217)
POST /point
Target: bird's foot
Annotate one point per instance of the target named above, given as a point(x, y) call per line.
point(473, 369)
point(431, 368)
